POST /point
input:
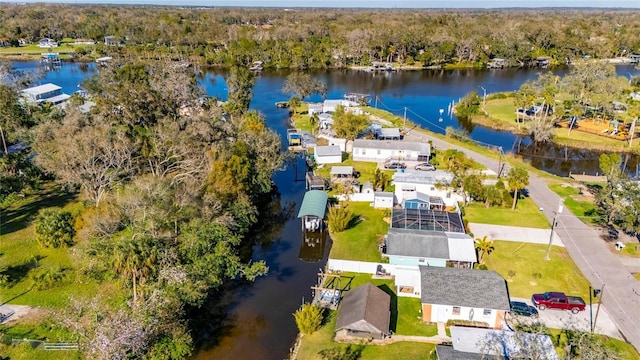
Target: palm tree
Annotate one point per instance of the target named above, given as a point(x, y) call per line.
point(380, 180)
point(518, 179)
point(135, 259)
point(484, 247)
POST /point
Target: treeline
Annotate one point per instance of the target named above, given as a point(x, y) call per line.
point(170, 182)
point(323, 38)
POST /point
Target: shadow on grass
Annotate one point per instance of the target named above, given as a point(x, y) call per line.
point(355, 220)
point(393, 321)
point(16, 273)
point(351, 352)
point(19, 218)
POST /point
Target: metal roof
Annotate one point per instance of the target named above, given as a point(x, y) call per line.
point(366, 309)
point(342, 170)
point(510, 344)
point(36, 90)
point(482, 289)
point(383, 194)
point(430, 244)
point(332, 150)
point(423, 177)
point(389, 133)
point(314, 204)
point(422, 148)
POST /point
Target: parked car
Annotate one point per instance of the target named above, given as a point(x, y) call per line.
point(523, 309)
point(426, 167)
point(558, 300)
point(395, 165)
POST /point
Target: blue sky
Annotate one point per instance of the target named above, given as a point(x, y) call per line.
point(372, 3)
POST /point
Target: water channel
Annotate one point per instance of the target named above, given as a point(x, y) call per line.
point(259, 322)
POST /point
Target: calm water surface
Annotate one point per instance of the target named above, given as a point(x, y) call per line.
point(260, 324)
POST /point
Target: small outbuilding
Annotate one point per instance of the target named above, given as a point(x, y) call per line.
point(328, 154)
point(423, 201)
point(388, 134)
point(383, 200)
point(340, 173)
point(313, 209)
point(365, 312)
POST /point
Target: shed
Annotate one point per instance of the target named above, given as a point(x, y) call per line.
point(383, 200)
point(423, 201)
point(315, 108)
point(111, 40)
point(388, 134)
point(341, 172)
point(328, 154)
point(365, 312)
point(314, 182)
point(367, 188)
point(313, 209)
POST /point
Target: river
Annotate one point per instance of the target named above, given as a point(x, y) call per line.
point(258, 321)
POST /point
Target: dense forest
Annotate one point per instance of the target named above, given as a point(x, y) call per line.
point(167, 184)
point(322, 38)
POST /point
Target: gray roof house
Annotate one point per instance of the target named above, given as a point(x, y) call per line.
point(433, 248)
point(365, 312)
point(448, 293)
point(463, 287)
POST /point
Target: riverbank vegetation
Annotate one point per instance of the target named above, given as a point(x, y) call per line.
point(590, 107)
point(327, 38)
point(159, 188)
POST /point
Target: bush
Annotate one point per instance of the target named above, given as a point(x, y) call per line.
point(308, 318)
point(46, 279)
point(339, 218)
point(54, 228)
point(467, 323)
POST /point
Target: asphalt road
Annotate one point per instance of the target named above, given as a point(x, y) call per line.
point(603, 269)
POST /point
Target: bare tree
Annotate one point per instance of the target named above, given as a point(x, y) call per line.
point(84, 153)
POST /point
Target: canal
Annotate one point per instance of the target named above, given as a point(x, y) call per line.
point(257, 321)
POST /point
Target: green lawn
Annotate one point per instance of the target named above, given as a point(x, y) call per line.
point(527, 214)
point(45, 330)
point(366, 169)
point(323, 339)
point(34, 49)
point(502, 109)
point(361, 241)
point(410, 319)
point(534, 274)
point(19, 250)
point(585, 209)
point(631, 249)
point(637, 276)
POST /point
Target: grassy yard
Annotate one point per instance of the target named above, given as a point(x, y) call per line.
point(361, 241)
point(625, 350)
point(37, 329)
point(366, 169)
point(580, 205)
point(323, 339)
point(500, 113)
point(405, 312)
point(534, 274)
point(527, 214)
point(23, 256)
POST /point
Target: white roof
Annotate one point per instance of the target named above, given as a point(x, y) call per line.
point(315, 106)
point(341, 170)
point(36, 90)
point(461, 247)
point(501, 343)
point(383, 194)
point(57, 99)
point(422, 177)
point(422, 148)
point(106, 58)
point(328, 150)
point(389, 132)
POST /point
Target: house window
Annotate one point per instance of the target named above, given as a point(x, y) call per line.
point(433, 188)
point(379, 152)
point(486, 312)
point(364, 152)
point(421, 260)
point(456, 310)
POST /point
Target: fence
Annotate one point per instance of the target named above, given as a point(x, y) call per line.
point(45, 345)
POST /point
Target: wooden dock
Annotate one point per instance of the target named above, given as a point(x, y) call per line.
point(588, 178)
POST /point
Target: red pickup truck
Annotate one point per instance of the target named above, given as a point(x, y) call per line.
point(558, 300)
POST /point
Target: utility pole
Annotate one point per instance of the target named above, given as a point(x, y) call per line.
point(601, 291)
point(590, 309)
point(376, 105)
point(404, 123)
point(484, 97)
point(499, 161)
point(632, 131)
point(553, 225)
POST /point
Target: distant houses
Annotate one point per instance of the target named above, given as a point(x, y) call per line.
point(47, 43)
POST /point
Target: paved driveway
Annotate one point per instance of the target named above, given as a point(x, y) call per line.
point(559, 319)
point(514, 233)
point(586, 248)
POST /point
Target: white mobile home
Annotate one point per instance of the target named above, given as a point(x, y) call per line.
point(410, 183)
point(328, 154)
point(382, 150)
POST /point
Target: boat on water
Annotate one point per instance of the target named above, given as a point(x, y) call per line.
point(256, 66)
